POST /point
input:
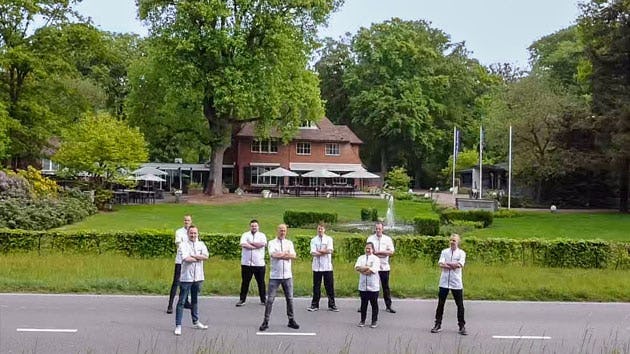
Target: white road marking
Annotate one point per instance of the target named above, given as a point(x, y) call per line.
point(521, 337)
point(53, 330)
point(284, 334)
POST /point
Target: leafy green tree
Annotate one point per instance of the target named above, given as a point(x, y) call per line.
point(539, 112)
point(605, 30)
point(398, 179)
point(237, 61)
point(102, 146)
point(334, 61)
point(408, 86)
point(30, 78)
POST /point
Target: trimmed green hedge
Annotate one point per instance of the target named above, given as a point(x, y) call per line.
point(300, 218)
point(448, 216)
point(369, 214)
point(154, 243)
point(424, 226)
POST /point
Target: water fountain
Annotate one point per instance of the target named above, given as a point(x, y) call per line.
point(389, 216)
point(388, 222)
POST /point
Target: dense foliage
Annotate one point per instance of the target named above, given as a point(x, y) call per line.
point(301, 218)
point(37, 203)
point(153, 243)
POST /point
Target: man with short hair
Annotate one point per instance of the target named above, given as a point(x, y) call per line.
point(368, 266)
point(253, 245)
point(192, 253)
point(181, 235)
point(451, 262)
point(321, 250)
point(383, 249)
point(282, 253)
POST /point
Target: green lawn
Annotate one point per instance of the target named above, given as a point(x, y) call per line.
point(579, 225)
point(117, 274)
point(234, 218)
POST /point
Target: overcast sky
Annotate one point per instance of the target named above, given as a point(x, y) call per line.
point(494, 30)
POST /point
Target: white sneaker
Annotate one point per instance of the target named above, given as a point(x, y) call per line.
point(178, 330)
point(199, 325)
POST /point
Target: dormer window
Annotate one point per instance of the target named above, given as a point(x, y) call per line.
point(308, 124)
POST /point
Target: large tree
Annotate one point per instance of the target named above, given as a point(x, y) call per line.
point(29, 78)
point(605, 30)
point(102, 146)
point(408, 85)
point(237, 61)
point(540, 111)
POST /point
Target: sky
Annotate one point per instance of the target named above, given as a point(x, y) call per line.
point(495, 31)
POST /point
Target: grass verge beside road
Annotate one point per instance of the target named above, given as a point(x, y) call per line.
point(113, 274)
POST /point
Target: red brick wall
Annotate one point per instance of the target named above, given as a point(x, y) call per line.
point(348, 154)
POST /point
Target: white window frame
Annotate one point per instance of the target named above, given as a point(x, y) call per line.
point(268, 146)
point(332, 149)
point(303, 148)
point(257, 180)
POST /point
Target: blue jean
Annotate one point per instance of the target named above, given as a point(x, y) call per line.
point(287, 287)
point(185, 288)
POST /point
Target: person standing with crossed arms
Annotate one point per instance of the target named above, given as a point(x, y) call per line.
point(383, 249)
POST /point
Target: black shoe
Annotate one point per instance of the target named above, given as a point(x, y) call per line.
point(264, 326)
point(333, 309)
point(263, 303)
point(169, 310)
point(390, 310)
point(293, 324)
point(188, 305)
point(240, 303)
point(374, 324)
point(437, 328)
point(462, 330)
point(312, 309)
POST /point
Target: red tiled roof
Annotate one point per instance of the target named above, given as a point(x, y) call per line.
point(326, 131)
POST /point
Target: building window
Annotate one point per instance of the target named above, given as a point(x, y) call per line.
point(269, 146)
point(308, 124)
point(303, 148)
point(257, 179)
point(49, 167)
point(332, 149)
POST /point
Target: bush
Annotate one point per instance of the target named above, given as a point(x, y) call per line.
point(448, 216)
point(460, 227)
point(424, 226)
point(506, 213)
point(397, 178)
point(366, 214)
point(156, 243)
point(400, 194)
point(102, 197)
point(300, 218)
point(45, 213)
point(374, 216)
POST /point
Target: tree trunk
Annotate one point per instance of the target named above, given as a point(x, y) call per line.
point(220, 139)
point(384, 162)
point(624, 181)
point(215, 177)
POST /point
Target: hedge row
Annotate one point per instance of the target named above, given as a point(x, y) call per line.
point(152, 243)
point(448, 216)
point(300, 218)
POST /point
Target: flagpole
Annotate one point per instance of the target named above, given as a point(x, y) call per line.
point(480, 162)
point(454, 156)
point(510, 170)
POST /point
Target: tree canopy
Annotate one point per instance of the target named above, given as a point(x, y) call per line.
point(230, 62)
point(102, 146)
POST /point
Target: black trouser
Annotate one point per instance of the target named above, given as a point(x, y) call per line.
point(176, 274)
point(246, 278)
point(458, 295)
point(387, 295)
point(372, 297)
point(329, 284)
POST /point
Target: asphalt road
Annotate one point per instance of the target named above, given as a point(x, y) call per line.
point(139, 324)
